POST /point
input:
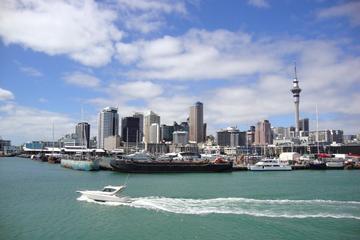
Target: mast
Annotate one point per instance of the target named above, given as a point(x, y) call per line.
point(53, 138)
point(317, 129)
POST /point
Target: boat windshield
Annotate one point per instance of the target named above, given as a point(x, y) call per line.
point(108, 190)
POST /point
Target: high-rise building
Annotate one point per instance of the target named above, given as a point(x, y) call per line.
point(296, 95)
point(196, 123)
point(130, 129)
point(231, 137)
point(166, 133)
point(250, 136)
point(108, 124)
point(148, 120)
point(82, 131)
point(204, 132)
point(304, 126)
point(180, 137)
point(141, 124)
point(154, 133)
point(263, 134)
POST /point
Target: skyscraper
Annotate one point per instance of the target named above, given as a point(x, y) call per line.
point(296, 95)
point(166, 133)
point(141, 125)
point(154, 133)
point(148, 120)
point(263, 134)
point(82, 131)
point(108, 124)
point(130, 131)
point(196, 123)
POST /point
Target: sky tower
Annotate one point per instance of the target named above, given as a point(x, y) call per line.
point(296, 94)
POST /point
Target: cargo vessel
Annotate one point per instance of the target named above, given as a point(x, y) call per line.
point(180, 162)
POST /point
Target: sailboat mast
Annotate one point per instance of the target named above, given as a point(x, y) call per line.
point(317, 129)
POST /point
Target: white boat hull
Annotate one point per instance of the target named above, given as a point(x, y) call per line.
point(104, 198)
point(267, 168)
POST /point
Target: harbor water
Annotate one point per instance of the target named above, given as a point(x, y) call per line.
point(39, 201)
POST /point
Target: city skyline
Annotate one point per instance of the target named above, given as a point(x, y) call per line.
point(165, 56)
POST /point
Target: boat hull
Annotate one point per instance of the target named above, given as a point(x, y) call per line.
point(317, 166)
point(265, 168)
point(334, 165)
point(156, 167)
point(81, 165)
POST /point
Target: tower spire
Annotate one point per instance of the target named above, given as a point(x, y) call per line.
point(296, 95)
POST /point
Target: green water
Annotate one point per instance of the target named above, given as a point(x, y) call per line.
point(39, 201)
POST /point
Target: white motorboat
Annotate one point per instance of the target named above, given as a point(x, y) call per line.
point(108, 194)
point(269, 165)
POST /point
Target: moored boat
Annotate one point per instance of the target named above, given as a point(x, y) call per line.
point(80, 162)
point(334, 163)
point(180, 162)
point(270, 165)
point(317, 165)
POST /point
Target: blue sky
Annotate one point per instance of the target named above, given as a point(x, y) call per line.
point(58, 57)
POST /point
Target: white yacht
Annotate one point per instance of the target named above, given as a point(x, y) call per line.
point(108, 194)
point(269, 165)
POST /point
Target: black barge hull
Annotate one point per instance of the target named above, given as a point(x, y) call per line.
point(156, 167)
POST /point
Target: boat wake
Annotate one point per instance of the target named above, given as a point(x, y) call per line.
point(281, 208)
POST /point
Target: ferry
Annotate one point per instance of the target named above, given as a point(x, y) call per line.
point(269, 165)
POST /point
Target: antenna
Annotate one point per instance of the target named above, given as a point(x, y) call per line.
point(295, 70)
point(82, 114)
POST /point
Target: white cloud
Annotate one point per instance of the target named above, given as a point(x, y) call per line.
point(138, 89)
point(31, 71)
point(6, 94)
point(83, 30)
point(82, 80)
point(19, 123)
point(153, 5)
point(197, 55)
point(261, 71)
point(350, 10)
point(147, 15)
point(259, 3)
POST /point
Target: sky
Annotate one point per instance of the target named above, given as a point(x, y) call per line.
point(62, 61)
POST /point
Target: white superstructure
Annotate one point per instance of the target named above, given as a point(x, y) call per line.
point(269, 165)
point(108, 194)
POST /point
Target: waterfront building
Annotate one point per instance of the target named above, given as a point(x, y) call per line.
point(166, 133)
point(231, 137)
point(196, 123)
point(140, 116)
point(70, 139)
point(130, 129)
point(4, 143)
point(296, 95)
point(180, 137)
point(250, 136)
point(82, 131)
point(108, 124)
point(154, 133)
point(337, 136)
point(148, 121)
point(263, 134)
point(112, 142)
point(304, 127)
point(204, 132)
point(183, 126)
